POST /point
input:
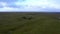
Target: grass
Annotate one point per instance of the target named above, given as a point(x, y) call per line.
point(12, 23)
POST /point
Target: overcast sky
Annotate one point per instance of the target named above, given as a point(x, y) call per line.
point(30, 5)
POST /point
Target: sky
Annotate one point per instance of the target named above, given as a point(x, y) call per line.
point(30, 5)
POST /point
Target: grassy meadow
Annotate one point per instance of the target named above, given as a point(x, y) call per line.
point(40, 23)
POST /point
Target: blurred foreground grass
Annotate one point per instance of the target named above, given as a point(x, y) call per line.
point(12, 23)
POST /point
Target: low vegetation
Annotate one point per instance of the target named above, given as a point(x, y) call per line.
point(29, 23)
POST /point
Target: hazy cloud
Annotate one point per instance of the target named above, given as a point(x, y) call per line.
point(28, 5)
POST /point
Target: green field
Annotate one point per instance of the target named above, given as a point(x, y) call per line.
point(41, 23)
